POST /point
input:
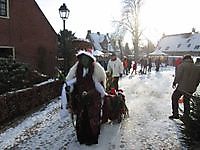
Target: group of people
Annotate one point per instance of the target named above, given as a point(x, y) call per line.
point(187, 78)
point(89, 90)
point(146, 64)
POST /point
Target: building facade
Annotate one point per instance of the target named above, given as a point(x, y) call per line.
point(101, 42)
point(27, 36)
point(180, 44)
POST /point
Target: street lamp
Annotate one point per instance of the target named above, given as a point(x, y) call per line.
point(64, 14)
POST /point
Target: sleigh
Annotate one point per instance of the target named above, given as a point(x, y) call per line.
point(194, 102)
point(114, 107)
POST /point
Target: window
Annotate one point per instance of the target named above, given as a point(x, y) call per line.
point(179, 45)
point(3, 8)
point(188, 40)
point(188, 45)
point(167, 48)
point(6, 52)
point(197, 47)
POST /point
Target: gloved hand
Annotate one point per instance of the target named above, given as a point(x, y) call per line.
point(173, 85)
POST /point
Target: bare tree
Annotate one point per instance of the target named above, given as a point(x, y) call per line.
point(130, 21)
point(118, 37)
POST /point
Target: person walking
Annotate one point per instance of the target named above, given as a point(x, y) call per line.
point(157, 64)
point(187, 78)
point(115, 68)
point(149, 64)
point(145, 64)
point(134, 67)
point(125, 65)
point(85, 101)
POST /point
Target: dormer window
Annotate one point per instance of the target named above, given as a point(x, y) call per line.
point(167, 48)
point(179, 45)
point(188, 40)
point(188, 45)
point(197, 47)
point(3, 8)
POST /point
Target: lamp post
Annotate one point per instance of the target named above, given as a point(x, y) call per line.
point(64, 14)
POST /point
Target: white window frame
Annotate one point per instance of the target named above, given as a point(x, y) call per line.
point(10, 47)
point(8, 14)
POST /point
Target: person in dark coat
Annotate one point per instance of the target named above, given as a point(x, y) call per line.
point(187, 78)
point(157, 64)
point(149, 64)
point(85, 98)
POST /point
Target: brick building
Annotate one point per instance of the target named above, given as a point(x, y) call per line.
point(26, 35)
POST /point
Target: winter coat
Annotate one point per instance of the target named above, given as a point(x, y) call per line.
point(187, 76)
point(134, 66)
point(125, 63)
point(115, 67)
point(178, 62)
point(85, 100)
point(98, 75)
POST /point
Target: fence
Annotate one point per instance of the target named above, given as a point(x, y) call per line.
point(18, 103)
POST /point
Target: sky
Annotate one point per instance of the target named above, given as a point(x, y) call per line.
point(157, 16)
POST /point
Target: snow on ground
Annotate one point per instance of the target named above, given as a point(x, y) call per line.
point(148, 98)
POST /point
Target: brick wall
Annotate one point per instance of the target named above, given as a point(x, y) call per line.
point(30, 34)
point(18, 103)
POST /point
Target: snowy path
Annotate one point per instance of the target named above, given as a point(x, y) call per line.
point(148, 127)
point(149, 102)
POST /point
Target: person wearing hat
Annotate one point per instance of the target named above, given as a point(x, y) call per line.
point(186, 80)
point(85, 99)
point(115, 68)
point(125, 65)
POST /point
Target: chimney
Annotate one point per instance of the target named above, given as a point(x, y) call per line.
point(89, 32)
point(193, 30)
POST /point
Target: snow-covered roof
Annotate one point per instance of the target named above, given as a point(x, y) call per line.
point(97, 39)
point(157, 52)
point(185, 42)
point(97, 53)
